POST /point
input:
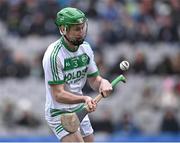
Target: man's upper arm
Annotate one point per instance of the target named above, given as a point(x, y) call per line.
point(53, 69)
point(94, 82)
point(92, 67)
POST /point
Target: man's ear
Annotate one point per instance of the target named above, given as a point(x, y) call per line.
point(62, 30)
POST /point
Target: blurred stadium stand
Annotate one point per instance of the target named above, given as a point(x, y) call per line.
point(144, 32)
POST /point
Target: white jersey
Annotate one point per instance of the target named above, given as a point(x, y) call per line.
point(71, 68)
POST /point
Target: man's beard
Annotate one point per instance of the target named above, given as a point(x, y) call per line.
point(75, 42)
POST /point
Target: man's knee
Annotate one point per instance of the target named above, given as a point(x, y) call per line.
point(73, 137)
point(89, 138)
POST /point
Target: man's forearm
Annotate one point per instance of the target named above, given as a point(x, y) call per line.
point(68, 98)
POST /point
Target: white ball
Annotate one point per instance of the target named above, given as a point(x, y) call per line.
point(124, 65)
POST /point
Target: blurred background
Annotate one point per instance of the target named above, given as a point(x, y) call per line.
point(144, 32)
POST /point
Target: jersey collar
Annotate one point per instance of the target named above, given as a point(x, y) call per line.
point(66, 45)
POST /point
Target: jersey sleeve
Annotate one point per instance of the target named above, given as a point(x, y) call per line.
point(92, 69)
point(53, 69)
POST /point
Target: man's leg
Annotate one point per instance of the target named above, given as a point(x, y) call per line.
point(87, 130)
point(89, 138)
point(73, 137)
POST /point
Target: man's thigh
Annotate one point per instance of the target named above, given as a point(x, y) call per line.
point(85, 127)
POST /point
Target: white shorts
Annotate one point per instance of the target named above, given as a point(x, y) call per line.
point(55, 124)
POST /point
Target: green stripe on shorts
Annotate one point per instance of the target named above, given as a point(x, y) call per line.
point(59, 128)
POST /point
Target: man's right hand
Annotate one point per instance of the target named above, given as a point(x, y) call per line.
point(91, 104)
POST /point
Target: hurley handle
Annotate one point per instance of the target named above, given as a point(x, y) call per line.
point(113, 83)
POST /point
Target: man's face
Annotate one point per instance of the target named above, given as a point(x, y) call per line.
point(77, 33)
